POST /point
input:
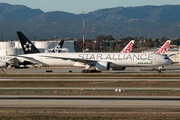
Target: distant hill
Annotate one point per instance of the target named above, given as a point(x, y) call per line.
point(147, 21)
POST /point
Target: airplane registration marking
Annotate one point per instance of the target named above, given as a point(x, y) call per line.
point(4, 58)
point(145, 62)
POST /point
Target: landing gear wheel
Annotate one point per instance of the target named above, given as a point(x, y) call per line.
point(86, 71)
point(159, 71)
point(90, 71)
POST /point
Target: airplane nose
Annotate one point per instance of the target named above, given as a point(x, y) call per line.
point(170, 61)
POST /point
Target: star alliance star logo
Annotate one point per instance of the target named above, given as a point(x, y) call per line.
point(27, 46)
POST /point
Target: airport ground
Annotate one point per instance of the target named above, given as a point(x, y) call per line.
point(64, 70)
point(61, 94)
point(89, 113)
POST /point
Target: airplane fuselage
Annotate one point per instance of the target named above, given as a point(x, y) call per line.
point(115, 59)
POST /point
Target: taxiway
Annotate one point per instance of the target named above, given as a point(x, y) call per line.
point(91, 101)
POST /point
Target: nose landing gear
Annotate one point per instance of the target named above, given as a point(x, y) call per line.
point(159, 71)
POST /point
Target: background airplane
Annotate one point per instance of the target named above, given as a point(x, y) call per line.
point(58, 48)
point(163, 50)
point(128, 47)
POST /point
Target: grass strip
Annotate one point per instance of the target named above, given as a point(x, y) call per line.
point(123, 90)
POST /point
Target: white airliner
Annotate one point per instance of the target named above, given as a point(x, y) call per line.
point(163, 50)
point(100, 61)
point(128, 47)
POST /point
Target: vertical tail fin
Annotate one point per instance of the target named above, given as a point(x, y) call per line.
point(128, 47)
point(58, 48)
point(26, 44)
point(164, 48)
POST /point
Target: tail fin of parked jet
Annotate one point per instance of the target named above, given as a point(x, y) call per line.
point(58, 48)
point(128, 47)
point(164, 48)
point(26, 44)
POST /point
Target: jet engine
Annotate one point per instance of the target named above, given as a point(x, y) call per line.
point(102, 66)
point(3, 64)
point(26, 63)
point(118, 68)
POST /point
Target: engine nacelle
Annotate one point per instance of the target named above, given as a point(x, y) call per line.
point(119, 68)
point(26, 63)
point(3, 64)
point(102, 66)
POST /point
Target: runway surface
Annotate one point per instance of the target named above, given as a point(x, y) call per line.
point(89, 88)
point(90, 101)
point(84, 97)
point(170, 69)
point(90, 79)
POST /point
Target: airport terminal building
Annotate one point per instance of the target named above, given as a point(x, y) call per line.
point(14, 47)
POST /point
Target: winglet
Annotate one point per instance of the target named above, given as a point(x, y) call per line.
point(128, 47)
point(26, 44)
point(164, 48)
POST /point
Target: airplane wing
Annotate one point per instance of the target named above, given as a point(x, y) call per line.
point(13, 61)
point(171, 55)
point(89, 62)
point(31, 59)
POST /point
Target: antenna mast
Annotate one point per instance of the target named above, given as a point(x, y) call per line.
point(83, 28)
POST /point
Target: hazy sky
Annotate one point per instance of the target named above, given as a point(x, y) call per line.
point(76, 6)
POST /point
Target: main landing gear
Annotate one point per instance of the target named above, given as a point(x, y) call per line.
point(90, 71)
point(158, 70)
point(153, 69)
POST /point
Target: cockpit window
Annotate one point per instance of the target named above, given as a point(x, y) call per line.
point(166, 57)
